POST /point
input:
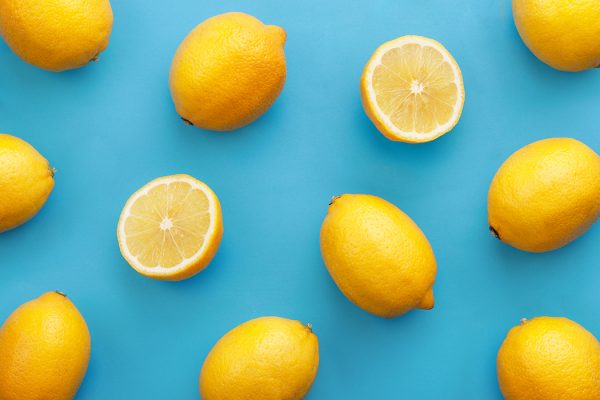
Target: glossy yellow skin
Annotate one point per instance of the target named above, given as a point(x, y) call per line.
point(268, 358)
point(545, 195)
point(228, 71)
point(549, 359)
point(562, 33)
point(56, 35)
point(26, 182)
point(377, 256)
point(44, 350)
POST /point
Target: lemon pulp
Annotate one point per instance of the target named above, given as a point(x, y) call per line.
point(413, 90)
point(171, 224)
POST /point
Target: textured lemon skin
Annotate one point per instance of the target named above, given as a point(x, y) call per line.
point(200, 263)
point(268, 358)
point(561, 33)
point(44, 350)
point(56, 35)
point(26, 182)
point(545, 195)
point(549, 359)
point(377, 256)
point(228, 71)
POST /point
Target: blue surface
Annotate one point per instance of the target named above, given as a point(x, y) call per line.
point(109, 128)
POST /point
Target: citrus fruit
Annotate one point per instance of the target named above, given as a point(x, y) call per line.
point(44, 350)
point(545, 195)
point(267, 358)
point(56, 35)
point(171, 228)
point(377, 256)
point(228, 71)
point(562, 33)
point(412, 89)
point(26, 182)
point(549, 358)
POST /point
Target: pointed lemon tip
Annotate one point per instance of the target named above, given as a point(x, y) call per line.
point(278, 32)
point(428, 301)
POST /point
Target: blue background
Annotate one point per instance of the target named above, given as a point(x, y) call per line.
point(111, 127)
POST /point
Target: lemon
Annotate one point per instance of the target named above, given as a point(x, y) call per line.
point(171, 228)
point(377, 256)
point(26, 182)
point(562, 33)
point(549, 359)
point(412, 89)
point(268, 358)
point(228, 71)
point(545, 195)
point(56, 35)
point(44, 350)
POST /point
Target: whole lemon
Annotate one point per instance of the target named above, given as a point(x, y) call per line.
point(26, 182)
point(44, 350)
point(56, 35)
point(268, 358)
point(377, 256)
point(228, 71)
point(562, 33)
point(549, 358)
point(545, 195)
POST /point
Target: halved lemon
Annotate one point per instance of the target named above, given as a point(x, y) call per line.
point(171, 228)
point(412, 89)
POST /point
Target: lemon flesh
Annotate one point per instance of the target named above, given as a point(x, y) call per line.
point(412, 89)
point(171, 228)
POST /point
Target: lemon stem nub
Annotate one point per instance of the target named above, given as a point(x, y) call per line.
point(52, 172)
point(495, 233)
point(334, 198)
point(524, 321)
point(61, 293)
point(309, 326)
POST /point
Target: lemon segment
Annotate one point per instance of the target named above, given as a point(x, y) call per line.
point(412, 89)
point(171, 228)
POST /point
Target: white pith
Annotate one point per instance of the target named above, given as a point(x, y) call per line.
point(167, 224)
point(416, 87)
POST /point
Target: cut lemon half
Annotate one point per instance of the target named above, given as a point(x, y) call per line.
point(171, 228)
point(412, 89)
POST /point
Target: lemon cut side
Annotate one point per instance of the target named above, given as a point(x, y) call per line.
point(171, 228)
point(412, 89)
